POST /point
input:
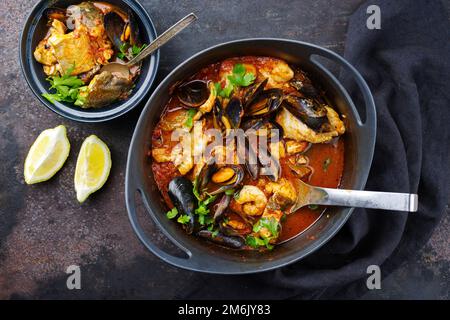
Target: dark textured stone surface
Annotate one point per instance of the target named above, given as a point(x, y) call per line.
point(43, 229)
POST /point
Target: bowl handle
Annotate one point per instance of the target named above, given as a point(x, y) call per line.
point(132, 186)
point(370, 122)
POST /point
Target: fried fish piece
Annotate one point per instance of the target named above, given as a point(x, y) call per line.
point(73, 50)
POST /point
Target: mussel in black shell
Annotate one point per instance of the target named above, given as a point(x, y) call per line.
point(222, 239)
point(309, 111)
point(214, 179)
point(193, 93)
point(264, 103)
point(228, 117)
point(121, 31)
point(182, 197)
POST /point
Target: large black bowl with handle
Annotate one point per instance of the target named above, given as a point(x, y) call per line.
point(35, 29)
point(203, 256)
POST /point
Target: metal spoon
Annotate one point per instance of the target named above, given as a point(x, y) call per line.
point(354, 198)
point(124, 68)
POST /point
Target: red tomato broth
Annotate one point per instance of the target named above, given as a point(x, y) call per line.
point(323, 175)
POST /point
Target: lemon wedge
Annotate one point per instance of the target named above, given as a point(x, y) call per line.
point(93, 167)
point(47, 155)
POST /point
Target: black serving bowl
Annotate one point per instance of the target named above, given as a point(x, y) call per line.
point(35, 29)
point(204, 256)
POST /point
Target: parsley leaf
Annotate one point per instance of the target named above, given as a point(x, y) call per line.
point(248, 79)
point(195, 189)
point(123, 51)
point(135, 50)
point(67, 88)
point(254, 242)
point(127, 51)
point(209, 200)
point(172, 213)
point(238, 68)
point(202, 210)
point(238, 77)
point(313, 206)
point(226, 92)
point(123, 47)
point(183, 219)
point(272, 225)
point(190, 120)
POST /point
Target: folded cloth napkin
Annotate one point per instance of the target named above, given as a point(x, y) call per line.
point(407, 66)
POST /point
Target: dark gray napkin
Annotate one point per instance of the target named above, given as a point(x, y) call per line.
point(407, 66)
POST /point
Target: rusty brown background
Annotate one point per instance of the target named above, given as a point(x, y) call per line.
point(43, 229)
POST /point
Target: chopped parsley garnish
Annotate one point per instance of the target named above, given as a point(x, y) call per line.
point(190, 120)
point(224, 92)
point(215, 233)
point(67, 89)
point(238, 78)
point(256, 242)
point(270, 223)
point(313, 206)
point(125, 51)
point(260, 240)
point(135, 50)
point(202, 210)
point(172, 213)
point(183, 219)
point(326, 164)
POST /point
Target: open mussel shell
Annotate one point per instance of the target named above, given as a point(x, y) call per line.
point(253, 92)
point(120, 30)
point(251, 162)
point(114, 27)
point(309, 111)
point(214, 179)
point(193, 93)
point(220, 207)
point(305, 88)
point(228, 117)
point(241, 227)
point(262, 123)
point(182, 197)
point(302, 83)
point(257, 161)
point(234, 112)
point(222, 239)
point(264, 103)
point(131, 30)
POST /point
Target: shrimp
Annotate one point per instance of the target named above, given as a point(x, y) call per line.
point(252, 199)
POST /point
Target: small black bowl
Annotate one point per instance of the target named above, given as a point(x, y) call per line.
point(35, 29)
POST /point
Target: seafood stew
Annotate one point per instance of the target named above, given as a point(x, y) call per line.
point(231, 144)
point(80, 40)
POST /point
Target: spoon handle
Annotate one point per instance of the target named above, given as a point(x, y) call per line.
point(163, 38)
point(367, 199)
